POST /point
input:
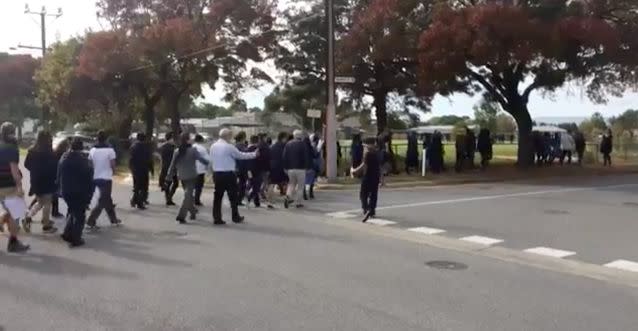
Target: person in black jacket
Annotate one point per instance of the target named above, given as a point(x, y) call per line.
point(412, 153)
point(60, 149)
point(356, 151)
point(580, 144)
point(242, 168)
point(75, 176)
point(484, 147)
point(470, 147)
point(140, 164)
point(370, 173)
point(606, 147)
point(278, 175)
point(42, 166)
point(296, 161)
point(168, 185)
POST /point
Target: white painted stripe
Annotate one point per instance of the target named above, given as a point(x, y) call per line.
point(623, 265)
point(341, 215)
point(426, 230)
point(380, 222)
point(487, 241)
point(551, 252)
point(494, 197)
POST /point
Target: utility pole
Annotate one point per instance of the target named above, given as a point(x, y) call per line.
point(331, 116)
point(43, 31)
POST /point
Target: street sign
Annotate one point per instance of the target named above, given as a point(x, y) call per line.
point(314, 113)
point(344, 80)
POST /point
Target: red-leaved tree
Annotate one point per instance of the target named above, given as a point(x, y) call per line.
point(508, 51)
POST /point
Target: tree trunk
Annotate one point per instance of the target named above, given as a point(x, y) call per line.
point(173, 108)
point(149, 119)
point(525, 155)
point(380, 110)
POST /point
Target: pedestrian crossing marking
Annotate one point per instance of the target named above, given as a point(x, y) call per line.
point(551, 252)
point(426, 230)
point(380, 222)
point(487, 241)
point(623, 265)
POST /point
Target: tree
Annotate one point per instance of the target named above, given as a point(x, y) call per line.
point(627, 121)
point(380, 51)
point(485, 116)
point(17, 89)
point(192, 42)
point(206, 110)
point(447, 120)
point(509, 51)
point(505, 124)
point(238, 106)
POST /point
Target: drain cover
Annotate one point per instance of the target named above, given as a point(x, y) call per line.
point(170, 234)
point(446, 265)
point(630, 204)
point(555, 212)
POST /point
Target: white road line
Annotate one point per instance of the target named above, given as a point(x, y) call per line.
point(494, 197)
point(380, 222)
point(341, 215)
point(551, 252)
point(426, 230)
point(487, 241)
point(623, 265)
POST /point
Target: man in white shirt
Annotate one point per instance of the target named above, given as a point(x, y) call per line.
point(224, 156)
point(102, 156)
point(201, 168)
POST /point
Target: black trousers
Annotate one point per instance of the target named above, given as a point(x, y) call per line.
point(567, 154)
point(170, 189)
point(75, 216)
point(242, 182)
point(199, 187)
point(369, 193)
point(140, 187)
point(607, 159)
point(255, 188)
point(55, 205)
point(225, 182)
point(105, 202)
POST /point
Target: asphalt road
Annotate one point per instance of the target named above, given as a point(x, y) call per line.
point(302, 270)
point(594, 218)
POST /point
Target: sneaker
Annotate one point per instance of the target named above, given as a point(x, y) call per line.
point(65, 237)
point(299, 206)
point(199, 204)
point(193, 216)
point(49, 228)
point(170, 203)
point(286, 203)
point(26, 224)
point(239, 219)
point(219, 222)
point(270, 206)
point(366, 217)
point(56, 215)
point(17, 247)
point(116, 221)
point(181, 220)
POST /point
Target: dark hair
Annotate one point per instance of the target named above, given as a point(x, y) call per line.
point(102, 137)
point(254, 139)
point(184, 145)
point(141, 136)
point(199, 138)
point(62, 146)
point(282, 135)
point(77, 144)
point(7, 130)
point(241, 135)
point(168, 136)
point(43, 142)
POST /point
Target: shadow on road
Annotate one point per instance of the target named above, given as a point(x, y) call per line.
point(55, 265)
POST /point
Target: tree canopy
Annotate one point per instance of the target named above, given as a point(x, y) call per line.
point(507, 51)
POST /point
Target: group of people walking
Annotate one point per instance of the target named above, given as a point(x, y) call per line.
point(65, 172)
point(247, 170)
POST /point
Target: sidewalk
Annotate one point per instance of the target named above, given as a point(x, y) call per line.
point(496, 173)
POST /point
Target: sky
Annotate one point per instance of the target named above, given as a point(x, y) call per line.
point(79, 15)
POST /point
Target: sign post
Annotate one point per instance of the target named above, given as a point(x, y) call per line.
point(314, 114)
